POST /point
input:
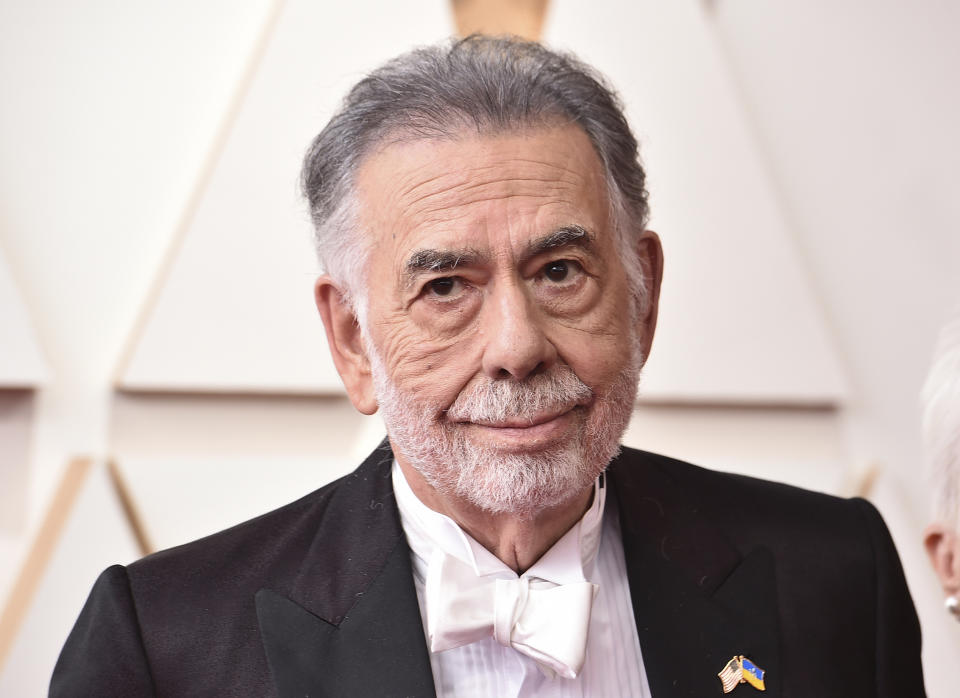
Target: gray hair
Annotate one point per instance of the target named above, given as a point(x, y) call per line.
point(488, 84)
point(941, 424)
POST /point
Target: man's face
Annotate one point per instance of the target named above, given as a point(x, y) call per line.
point(505, 343)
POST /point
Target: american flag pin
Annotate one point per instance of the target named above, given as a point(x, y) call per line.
point(741, 670)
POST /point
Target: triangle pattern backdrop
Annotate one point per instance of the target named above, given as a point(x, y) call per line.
point(738, 319)
point(21, 363)
point(235, 310)
point(738, 322)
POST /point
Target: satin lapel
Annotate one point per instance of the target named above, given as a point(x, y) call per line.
point(696, 600)
point(350, 624)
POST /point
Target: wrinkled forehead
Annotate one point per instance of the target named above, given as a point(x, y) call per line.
point(477, 189)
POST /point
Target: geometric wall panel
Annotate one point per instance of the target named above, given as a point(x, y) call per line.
point(498, 17)
point(235, 310)
point(739, 321)
point(21, 363)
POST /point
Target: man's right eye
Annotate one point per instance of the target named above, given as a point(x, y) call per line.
point(445, 286)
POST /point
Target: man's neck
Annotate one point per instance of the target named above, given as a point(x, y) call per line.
point(517, 540)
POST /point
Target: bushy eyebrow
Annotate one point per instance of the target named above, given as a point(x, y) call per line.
point(575, 235)
point(430, 261)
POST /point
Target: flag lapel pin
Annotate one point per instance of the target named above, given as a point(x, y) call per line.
point(741, 670)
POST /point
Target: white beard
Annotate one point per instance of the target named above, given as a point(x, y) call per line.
point(521, 484)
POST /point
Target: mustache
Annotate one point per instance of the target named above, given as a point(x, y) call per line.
point(492, 400)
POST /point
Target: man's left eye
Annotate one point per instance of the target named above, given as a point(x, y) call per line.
point(560, 270)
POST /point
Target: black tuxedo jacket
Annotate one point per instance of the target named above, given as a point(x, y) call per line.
point(317, 598)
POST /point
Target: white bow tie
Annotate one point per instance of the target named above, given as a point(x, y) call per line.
point(545, 621)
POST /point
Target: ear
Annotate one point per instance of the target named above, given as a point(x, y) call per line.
point(346, 344)
point(650, 254)
point(943, 547)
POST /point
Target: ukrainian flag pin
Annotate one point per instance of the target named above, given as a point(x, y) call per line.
point(741, 670)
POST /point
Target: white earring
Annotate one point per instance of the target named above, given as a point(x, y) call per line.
point(953, 606)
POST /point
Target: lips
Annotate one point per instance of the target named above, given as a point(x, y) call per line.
point(534, 434)
point(518, 422)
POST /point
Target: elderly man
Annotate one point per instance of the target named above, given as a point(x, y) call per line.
point(492, 290)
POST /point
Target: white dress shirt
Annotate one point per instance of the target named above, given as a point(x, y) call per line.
point(590, 551)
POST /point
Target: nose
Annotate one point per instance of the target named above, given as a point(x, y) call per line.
point(516, 345)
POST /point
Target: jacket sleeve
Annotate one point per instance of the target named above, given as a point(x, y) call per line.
point(898, 668)
point(104, 653)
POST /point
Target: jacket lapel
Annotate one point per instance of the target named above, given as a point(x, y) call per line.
point(350, 623)
point(697, 601)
